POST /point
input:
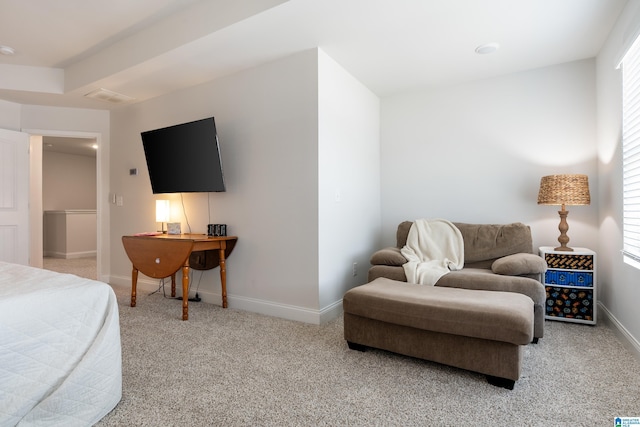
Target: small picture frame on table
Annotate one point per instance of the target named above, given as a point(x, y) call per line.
point(173, 228)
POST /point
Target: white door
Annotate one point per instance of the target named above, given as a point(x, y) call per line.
point(14, 197)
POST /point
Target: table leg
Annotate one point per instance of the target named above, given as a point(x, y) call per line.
point(173, 285)
point(134, 283)
point(185, 292)
point(223, 277)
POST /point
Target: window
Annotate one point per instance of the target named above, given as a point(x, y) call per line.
point(631, 154)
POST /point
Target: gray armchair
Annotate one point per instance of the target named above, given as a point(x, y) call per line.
point(497, 257)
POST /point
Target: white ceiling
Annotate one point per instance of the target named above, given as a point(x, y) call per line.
point(144, 48)
point(75, 146)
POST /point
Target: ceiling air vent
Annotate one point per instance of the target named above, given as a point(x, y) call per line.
point(109, 96)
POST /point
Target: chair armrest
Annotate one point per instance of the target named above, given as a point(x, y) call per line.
point(388, 256)
point(519, 264)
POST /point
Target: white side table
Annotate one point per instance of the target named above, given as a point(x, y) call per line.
point(570, 283)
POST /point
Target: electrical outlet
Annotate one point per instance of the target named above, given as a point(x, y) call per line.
point(355, 269)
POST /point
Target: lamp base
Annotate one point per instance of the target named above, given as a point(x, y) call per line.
point(563, 227)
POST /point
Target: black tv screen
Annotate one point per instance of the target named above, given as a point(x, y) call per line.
point(184, 158)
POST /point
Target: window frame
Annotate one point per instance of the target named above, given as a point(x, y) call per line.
point(630, 65)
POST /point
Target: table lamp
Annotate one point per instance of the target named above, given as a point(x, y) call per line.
point(163, 209)
point(562, 190)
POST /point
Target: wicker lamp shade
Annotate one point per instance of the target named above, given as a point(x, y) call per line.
point(564, 190)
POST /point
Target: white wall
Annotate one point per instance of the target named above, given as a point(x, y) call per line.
point(10, 115)
point(68, 181)
point(70, 233)
point(267, 120)
point(285, 153)
point(476, 152)
point(349, 180)
point(619, 282)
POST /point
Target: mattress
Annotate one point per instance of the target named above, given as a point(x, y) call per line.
point(60, 354)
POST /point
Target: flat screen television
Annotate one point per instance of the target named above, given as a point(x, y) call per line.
point(184, 158)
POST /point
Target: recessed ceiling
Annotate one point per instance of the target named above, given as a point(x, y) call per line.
point(145, 48)
point(75, 146)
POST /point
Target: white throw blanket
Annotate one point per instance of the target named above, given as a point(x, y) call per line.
point(434, 247)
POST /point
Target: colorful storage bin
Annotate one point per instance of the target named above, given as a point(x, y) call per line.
point(568, 278)
point(569, 261)
point(569, 303)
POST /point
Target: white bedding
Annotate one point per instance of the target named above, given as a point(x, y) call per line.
point(60, 354)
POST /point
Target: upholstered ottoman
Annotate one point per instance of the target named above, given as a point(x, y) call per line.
point(481, 331)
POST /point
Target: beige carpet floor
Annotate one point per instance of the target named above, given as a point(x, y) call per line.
point(226, 367)
point(83, 267)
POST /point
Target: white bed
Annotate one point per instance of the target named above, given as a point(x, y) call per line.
point(60, 354)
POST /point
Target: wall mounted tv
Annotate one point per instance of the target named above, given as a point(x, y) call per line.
point(184, 158)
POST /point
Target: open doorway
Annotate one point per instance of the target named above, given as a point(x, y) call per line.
point(69, 204)
point(36, 214)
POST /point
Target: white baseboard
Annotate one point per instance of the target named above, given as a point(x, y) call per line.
point(331, 312)
point(290, 312)
point(621, 332)
point(70, 255)
point(269, 308)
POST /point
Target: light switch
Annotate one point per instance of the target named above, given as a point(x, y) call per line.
point(119, 201)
